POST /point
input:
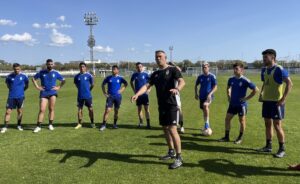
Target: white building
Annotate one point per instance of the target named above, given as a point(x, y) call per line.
point(90, 62)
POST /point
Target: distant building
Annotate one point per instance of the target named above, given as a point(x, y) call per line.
point(90, 62)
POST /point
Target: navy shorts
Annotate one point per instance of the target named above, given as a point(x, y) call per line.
point(271, 110)
point(13, 103)
point(241, 110)
point(142, 100)
point(113, 101)
point(87, 102)
point(202, 101)
point(169, 116)
point(48, 96)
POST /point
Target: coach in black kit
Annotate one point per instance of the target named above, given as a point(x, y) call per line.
point(168, 82)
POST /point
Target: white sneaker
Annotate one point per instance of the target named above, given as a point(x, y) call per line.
point(51, 127)
point(103, 127)
point(20, 128)
point(77, 127)
point(37, 129)
point(3, 130)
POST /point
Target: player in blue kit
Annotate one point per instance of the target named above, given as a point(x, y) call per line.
point(138, 80)
point(17, 83)
point(236, 92)
point(84, 82)
point(113, 95)
point(48, 92)
point(208, 86)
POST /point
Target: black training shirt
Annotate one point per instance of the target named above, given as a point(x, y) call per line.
point(164, 80)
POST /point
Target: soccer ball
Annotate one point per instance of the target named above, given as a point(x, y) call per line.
point(207, 132)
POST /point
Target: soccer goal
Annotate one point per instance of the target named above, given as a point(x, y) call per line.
point(195, 71)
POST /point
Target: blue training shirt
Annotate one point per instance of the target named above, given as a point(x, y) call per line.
point(239, 88)
point(16, 84)
point(140, 79)
point(48, 81)
point(279, 74)
point(114, 84)
point(83, 82)
point(207, 83)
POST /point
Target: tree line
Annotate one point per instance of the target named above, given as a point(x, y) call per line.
point(130, 65)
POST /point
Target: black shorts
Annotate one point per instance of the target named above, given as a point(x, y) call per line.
point(142, 100)
point(241, 110)
point(271, 110)
point(169, 116)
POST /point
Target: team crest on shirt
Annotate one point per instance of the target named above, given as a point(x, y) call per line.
point(118, 81)
point(240, 84)
point(53, 75)
point(44, 75)
point(85, 78)
point(12, 79)
point(167, 72)
point(207, 79)
point(110, 81)
point(21, 78)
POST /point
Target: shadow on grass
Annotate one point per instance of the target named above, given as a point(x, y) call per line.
point(94, 156)
point(212, 148)
point(31, 126)
point(228, 168)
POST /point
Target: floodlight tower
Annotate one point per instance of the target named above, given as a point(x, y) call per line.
point(171, 48)
point(91, 20)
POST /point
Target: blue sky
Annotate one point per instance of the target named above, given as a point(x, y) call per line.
point(33, 30)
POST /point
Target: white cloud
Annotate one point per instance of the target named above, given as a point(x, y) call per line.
point(65, 26)
point(62, 18)
point(36, 25)
point(102, 49)
point(59, 39)
point(52, 25)
point(147, 44)
point(132, 49)
point(21, 38)
point(6, 22)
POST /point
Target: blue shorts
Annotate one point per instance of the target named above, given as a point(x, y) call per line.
point(13, 103)
point(113, 101)
point(142, 100)
point(271, 110)
point(241, 110)
point(87, 102)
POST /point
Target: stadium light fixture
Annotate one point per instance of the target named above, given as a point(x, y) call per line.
point(171, 48)
point(91, 20)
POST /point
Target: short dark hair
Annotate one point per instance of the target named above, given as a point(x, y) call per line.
point(138, 63)
point(239, 64)
point(49, 61)
point(82, 63)
point(115, 66)
point(16, 65)
point(160, 51)
point(269, 51)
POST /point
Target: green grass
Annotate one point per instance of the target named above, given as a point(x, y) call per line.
point(130, 155)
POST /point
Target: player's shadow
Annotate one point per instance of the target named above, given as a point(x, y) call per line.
point(228, 168)
point(94, 156)
point(132, 126)
point(212, 148)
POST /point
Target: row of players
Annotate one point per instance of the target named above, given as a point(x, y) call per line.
point(168, 81)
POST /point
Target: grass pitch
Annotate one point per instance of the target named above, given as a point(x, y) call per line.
point(130, 155)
